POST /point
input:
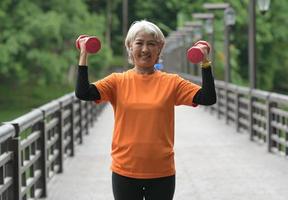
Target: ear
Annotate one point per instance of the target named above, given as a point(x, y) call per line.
point(160, 48)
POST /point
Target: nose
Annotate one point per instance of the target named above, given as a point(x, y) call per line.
point(145, 48)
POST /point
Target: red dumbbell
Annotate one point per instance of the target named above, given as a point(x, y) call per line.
point(195, 54)
point(92, 43)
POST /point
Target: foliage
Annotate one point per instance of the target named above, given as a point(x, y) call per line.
point(37, 41)
point(271, 40)
point(18, 101)
point(271, 37)
point(37, 38)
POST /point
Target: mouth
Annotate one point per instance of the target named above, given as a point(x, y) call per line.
point(145, 57)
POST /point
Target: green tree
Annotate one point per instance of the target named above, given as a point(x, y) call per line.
point(37, 43)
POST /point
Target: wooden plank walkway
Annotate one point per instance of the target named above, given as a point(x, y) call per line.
point(213, 162)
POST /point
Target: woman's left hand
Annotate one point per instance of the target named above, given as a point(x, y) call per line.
point(205, 49)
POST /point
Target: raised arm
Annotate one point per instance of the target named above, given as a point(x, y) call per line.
point(84, 90)
point(207, 94)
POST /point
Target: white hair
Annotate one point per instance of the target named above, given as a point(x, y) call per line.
point(146, 27)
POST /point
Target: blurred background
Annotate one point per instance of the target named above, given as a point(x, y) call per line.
point(38, 58)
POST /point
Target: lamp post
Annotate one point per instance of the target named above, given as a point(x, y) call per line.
point(209, 28)
point(169, 54)
point(174, 47)
point(229, 20)
point(182, 43)
point(263, 7)
point(187, 36)
point(196, 35)
point(124, 29)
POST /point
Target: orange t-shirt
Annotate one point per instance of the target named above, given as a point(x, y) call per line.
point(143, 139)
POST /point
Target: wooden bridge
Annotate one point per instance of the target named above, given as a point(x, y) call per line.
point(236, 149)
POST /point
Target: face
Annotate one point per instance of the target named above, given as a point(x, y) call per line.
point(145, 50)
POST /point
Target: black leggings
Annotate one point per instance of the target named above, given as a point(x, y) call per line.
point(125, 188)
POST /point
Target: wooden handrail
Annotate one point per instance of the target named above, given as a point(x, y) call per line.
point(34, 146)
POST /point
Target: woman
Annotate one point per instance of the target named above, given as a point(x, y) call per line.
point(143, 100)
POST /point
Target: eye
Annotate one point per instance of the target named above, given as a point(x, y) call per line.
point(152, 43)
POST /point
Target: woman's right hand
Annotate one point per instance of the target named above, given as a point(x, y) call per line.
point(82, 46)
point(83, 58)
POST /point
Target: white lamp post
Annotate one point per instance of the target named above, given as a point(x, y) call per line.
point(229, 16)
point(263, 5)
point(229, 20)
point(209, 29)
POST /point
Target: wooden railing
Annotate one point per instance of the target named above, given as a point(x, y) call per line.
point(261, 114)
point(35, 145)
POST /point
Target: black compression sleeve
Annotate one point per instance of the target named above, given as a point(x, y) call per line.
point(207, 94)
point(84, 90)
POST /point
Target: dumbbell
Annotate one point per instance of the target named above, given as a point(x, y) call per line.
point(195, 54)
point(92, 43)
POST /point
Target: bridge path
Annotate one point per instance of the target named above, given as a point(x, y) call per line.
point(213, 162)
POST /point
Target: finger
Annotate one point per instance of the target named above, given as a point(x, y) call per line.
point(82, 45)
point(204, 48)
point(203, 42)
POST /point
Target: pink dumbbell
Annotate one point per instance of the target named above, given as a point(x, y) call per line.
point(195, 54)
point(92, 43)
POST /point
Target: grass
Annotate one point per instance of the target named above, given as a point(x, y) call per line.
point(16, 101)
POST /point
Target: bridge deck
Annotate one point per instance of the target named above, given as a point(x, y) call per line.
point(213, 162)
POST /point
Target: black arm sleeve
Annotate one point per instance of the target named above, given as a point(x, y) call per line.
point(207, 94)
point(84, 90)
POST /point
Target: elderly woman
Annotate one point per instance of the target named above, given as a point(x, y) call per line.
point(143, 101)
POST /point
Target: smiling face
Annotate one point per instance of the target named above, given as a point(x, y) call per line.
point(145, 50)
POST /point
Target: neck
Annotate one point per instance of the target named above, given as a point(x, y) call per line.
point(144, 70)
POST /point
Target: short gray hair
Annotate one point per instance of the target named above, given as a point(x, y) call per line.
point(146, 27)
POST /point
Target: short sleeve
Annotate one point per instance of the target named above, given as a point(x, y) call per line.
point(107, 88)
point(185, 91)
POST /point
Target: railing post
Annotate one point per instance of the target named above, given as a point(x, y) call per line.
point(269, 105)
point(86, 117)
point(226, 103)
point(80, 122)
point(218, 102)
point(52, 109)
point(43, 158)
point(66, 106)
point(61, 139)
point(251, 99)
point(7, 133)
point(14, 146)
point(90, 114)
point(72, 143)
point(237, 114)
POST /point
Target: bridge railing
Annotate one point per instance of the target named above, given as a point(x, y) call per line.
point(261, 114)
point(35, 145)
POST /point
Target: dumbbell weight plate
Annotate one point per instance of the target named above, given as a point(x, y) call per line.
point(93, 44)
